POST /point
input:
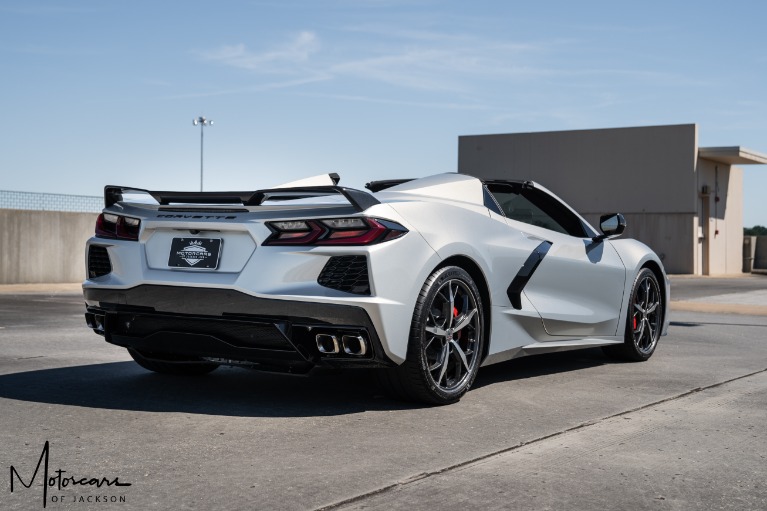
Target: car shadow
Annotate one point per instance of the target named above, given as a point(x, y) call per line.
point(244, 393)
point(535, 366)
point(225, 392)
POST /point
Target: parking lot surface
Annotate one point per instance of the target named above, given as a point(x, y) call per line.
point(573, 430)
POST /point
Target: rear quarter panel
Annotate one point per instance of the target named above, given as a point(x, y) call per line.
point(499, 250)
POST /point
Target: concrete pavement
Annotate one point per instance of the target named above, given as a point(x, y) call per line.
point(244, 440)
point(742, 294)
point(698, 450)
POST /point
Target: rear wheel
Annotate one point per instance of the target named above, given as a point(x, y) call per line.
point(644, 320)
point(168, 364)
point(446, 339)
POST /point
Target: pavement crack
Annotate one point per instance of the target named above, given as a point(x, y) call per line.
point(424, 475)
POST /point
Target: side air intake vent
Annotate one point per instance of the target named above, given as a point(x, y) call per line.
point(98, 261)
point(346, 273)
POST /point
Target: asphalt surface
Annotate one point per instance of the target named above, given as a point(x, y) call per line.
point(685, 430)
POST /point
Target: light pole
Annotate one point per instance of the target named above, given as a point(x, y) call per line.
point(202, 121)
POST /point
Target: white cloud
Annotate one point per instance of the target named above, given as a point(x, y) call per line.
point(453, 69)
point(283, 59)
point(462, 71)
point(252, 89)
point(413, 59)
point(417, 104)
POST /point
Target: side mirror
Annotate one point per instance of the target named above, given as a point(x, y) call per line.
point(611, 225)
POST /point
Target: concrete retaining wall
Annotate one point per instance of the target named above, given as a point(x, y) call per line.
point(43, 246)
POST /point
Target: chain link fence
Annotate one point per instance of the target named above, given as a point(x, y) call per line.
point(51, 202)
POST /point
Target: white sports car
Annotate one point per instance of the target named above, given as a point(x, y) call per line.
point(424, 280)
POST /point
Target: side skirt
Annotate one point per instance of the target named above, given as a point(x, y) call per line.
point(538, 348)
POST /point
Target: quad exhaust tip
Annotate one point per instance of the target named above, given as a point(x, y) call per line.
point(354, 345)
point(327, 343)
point(94, 321)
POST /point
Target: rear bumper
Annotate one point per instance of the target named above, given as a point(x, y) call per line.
point(230, 326)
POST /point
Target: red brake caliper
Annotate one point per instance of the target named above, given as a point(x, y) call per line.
point(635, 322)
point(455, 315)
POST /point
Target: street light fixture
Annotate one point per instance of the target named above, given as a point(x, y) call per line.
point(202, 121)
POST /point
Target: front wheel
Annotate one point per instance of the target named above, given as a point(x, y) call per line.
point(643, 322)
point(446, 341)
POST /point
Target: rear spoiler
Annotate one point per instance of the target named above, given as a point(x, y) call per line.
point(357, 198)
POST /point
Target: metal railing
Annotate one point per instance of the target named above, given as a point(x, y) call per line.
point(50, 202)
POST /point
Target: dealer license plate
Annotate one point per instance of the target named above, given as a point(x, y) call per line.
point(198, 253)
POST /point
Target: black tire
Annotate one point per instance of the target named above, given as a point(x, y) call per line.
point(167, 364)
point(643, 321)
point(441, 367)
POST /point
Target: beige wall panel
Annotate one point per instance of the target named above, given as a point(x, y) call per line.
point(671, 236)
point(43, 246)
point(734, 221)
point(697, 246)
point(714, 243)
point(725, 216)
point(631, 170)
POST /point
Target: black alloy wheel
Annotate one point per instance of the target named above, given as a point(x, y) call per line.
point(446, 341)
point(644, 320)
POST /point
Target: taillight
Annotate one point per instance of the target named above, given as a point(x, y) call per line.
point(109, 225)
point(333, 231)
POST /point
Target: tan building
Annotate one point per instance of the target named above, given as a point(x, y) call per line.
point(684, 201)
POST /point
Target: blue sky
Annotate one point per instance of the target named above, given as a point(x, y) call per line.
point(103, 92)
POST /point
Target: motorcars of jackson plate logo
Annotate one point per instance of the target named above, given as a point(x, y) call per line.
point(194, 253)
point(57, 484)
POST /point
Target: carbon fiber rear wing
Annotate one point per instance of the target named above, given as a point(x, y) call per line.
point(359, 199)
